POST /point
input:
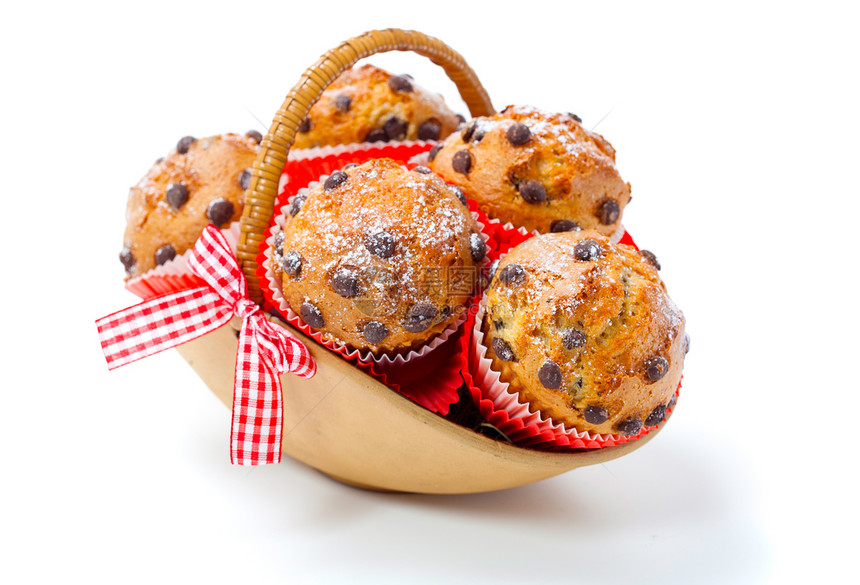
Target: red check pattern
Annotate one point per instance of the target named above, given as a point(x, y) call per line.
point(265, 350)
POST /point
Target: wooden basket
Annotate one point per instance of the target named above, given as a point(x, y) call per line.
point(342, 421)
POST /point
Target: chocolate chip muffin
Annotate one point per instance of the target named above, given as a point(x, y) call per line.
point(536, 170)
point(584, 331)
point(378, 257)
point(367, 104)
point(199, 182)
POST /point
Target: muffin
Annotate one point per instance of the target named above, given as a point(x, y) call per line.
point(367, 104)
point(199, 182)
point(537, 170)
point(584, 331)
point(378, 257)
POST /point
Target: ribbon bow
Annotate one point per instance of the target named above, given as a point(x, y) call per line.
point(265, 349)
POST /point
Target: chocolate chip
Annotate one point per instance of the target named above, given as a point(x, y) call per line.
point(297, 203)
point(478, 136)
point(458, 193)
point(609, 212)
point(176, 195)
point(374, 332)
point(377, 135)
point(518, 133)
point(380, 243)
point(344, 281)
point(573, 339)
point(656, 417)
point(532, 191)
point(672, 402)
point(498, 324)
point(563, 225)
point(468, 131)
point(650, 257)
point(419, 317)
point(184, 144)
point(575, 117)
point(159, 160)
point(656, 367)
point(423, 170)
point(512, 274)
point(220, 211)
point(595, 415)
point(335, 180)
point(629, 427)
point(254, 135)
point(291, 263)
point(350, 166)
point(686, 343)
point(549, 375)
point(312, 315)
point(430, 130)
point(462, 162)
point(433, 152)
point(586, 250)
point(461, 119)
point(395, 128)
point(245, 179)
point(478, 247)
point(446, 310)
point(279, 244)
point(306, 125)
point(399, 83)
point(342, 103)
point(127, 258)
point(503, 350)
point(164, 254)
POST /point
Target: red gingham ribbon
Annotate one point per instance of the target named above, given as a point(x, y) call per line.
point(265, 349)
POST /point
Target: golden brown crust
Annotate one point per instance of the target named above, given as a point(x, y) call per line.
point(574, 170)
point(602, 321)
point(376, 247)
point(210, 169)
point(362, 100)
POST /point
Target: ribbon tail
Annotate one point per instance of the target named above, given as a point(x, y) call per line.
point(160, 323)
point(255, 436)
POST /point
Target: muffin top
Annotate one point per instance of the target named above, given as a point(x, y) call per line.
point(536, 170)
point(379, 257)
point(585, 332)
point(199, 182)
point(368, 104)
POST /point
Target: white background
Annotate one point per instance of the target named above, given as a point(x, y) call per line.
point(737, 126)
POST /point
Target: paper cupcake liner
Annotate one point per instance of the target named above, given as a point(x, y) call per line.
point(429, 375)
point(175, 275)
point(510, 230)
point(504, 410)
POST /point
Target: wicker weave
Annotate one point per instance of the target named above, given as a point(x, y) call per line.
point(262, 191)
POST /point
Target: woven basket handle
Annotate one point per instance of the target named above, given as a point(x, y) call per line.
point(262, 191)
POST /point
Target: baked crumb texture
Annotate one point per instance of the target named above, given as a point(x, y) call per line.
point(585, 331)
point(199, 182)
point(368, 104)
point(537, 170)
point(379, 257)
